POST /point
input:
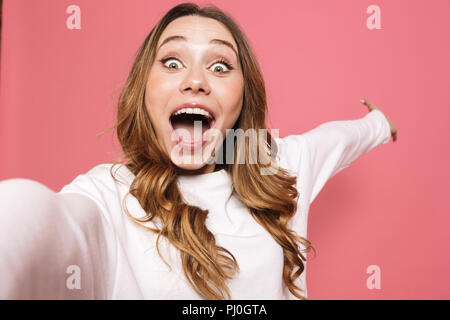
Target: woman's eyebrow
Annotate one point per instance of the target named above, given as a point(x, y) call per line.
point(213, 41)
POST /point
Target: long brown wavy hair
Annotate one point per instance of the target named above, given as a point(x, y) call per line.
point(270, 198)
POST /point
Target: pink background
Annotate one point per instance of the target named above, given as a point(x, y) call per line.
point(390, 208)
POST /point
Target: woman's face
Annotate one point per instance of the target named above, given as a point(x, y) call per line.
point(196, 65)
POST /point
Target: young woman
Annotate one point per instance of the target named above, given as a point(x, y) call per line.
point(160, 225)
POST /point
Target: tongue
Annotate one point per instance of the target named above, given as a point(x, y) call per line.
point(189, 131)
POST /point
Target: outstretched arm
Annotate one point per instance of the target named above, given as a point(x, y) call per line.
point(317, 155)
point(53, 246)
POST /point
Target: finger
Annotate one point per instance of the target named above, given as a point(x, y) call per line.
point(369, 104)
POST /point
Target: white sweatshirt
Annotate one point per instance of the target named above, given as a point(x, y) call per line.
point(118, 259)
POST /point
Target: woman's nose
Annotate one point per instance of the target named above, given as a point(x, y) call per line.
point(195, 81)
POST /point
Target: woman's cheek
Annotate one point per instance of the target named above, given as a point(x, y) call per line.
point(236, 90)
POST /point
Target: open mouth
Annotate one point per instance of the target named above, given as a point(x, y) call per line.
point(191, 120)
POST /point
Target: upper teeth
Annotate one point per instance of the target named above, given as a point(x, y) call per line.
point(194, 111)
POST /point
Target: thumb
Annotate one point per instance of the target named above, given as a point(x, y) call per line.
point(368, 104)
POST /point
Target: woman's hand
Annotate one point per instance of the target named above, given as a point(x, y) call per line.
point(371, 107)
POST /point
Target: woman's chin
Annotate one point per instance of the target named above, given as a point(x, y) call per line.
point(198, 168)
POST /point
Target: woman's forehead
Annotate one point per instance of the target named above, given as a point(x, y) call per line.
point(197, 30)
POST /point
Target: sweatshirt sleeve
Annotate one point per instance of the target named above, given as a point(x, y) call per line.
point(91, 187)
point(317, 155)
point(53, 246)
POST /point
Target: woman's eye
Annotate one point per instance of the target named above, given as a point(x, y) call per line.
point(171, 63)
point(221, 67)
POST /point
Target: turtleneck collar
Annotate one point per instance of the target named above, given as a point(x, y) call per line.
point(206, 190)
